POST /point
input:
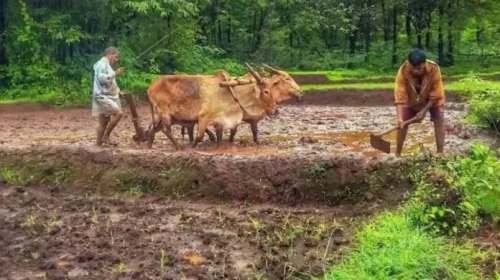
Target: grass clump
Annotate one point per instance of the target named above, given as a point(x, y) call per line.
point(391, 248)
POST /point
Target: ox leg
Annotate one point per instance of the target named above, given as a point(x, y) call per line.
point(255, 132)
point(202, 127)
point(232, 134)
point(211, 135)
point(191, 133)
point(167, 130)
point(154, 127)
point(218, 132)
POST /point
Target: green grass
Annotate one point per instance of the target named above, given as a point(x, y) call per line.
point(389, 248)
point(343, 74)
point(348, 86)
point(459, 86)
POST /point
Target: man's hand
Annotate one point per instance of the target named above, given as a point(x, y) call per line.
point(119, 71)
point(419, 117)
point(401, 123)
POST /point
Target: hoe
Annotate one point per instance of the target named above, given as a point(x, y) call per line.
point(385, 146)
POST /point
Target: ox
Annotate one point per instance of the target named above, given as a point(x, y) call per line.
point(282, 87)
point(188, 99)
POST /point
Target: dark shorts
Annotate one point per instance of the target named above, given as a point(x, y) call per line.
point(437, 113)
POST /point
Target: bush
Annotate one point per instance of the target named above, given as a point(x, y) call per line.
point(478, 177)
point(484, 98)
point(440, 208)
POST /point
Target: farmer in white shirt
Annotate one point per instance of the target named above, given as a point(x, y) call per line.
point(106, 96)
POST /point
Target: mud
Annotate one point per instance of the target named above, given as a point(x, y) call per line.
point(320, 79)
point(62, 235)
point(357, 98)
point(283, 210)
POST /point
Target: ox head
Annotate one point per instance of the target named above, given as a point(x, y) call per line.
point(266, 100)
point(282, 87)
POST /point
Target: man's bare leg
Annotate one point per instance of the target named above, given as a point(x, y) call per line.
point(439, 134)
point(115, 118)
point(401, 140)
point(103, 122)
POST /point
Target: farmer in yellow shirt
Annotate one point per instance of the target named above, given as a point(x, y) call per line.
point(418, 89)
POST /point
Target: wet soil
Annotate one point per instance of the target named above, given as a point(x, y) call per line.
point(357, 98)
point(308, 128)
point(47, 234)
point(311, 152)
point(320, 79)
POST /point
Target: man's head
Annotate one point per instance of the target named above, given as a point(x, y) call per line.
point(112, 54)
point(417, 61)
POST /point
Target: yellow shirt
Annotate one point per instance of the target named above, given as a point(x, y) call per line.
point(432, 87)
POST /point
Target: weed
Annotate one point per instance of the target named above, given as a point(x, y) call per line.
point(51, 223)
point(163, 262)
point(135, 191)
point(95, 214)
point(121, 268)
point(11, 176)
point(30, 221)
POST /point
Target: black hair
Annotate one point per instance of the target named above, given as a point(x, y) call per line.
point(416, 57)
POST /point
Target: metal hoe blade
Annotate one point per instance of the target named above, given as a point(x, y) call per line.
point(380, 144)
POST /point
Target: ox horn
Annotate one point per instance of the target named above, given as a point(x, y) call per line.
point(254, 73)
point(271, 69)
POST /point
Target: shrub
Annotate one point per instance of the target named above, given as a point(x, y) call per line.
point(478, 177)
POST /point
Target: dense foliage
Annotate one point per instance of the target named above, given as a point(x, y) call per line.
point(47, 48)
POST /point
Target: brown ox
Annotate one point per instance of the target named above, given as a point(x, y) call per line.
point(184, 99)
point(282, 87)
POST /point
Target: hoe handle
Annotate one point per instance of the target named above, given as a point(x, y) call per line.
point(408, 122)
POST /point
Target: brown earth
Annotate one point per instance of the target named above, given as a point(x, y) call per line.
point(357, 98)
point(47, 234)
point(320, 79)
point(74, 210)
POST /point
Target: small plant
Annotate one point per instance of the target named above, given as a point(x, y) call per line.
point(30, 221)
point(51, 223)
point(163, 262)
point(95, 214)
point(11, 176)
point(121, 268)
point(135, 191)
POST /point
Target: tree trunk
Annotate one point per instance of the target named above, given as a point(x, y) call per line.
point(449, 55)
point(385, 22)
point(428, 31)
point(3, 55)
point(441, 59)
point(229, 31)
point(395, 35)
point(408, 25)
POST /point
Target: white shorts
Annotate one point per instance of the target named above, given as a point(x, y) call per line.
point(106, 105)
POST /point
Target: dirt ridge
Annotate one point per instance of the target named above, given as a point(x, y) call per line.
point(277, 179)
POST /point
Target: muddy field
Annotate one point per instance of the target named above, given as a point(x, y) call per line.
point(54, 235)
point(323, 123)
point(53, 231)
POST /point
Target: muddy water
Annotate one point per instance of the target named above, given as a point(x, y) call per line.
point(297, 130)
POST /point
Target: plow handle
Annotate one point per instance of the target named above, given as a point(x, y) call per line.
point(135, 118)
